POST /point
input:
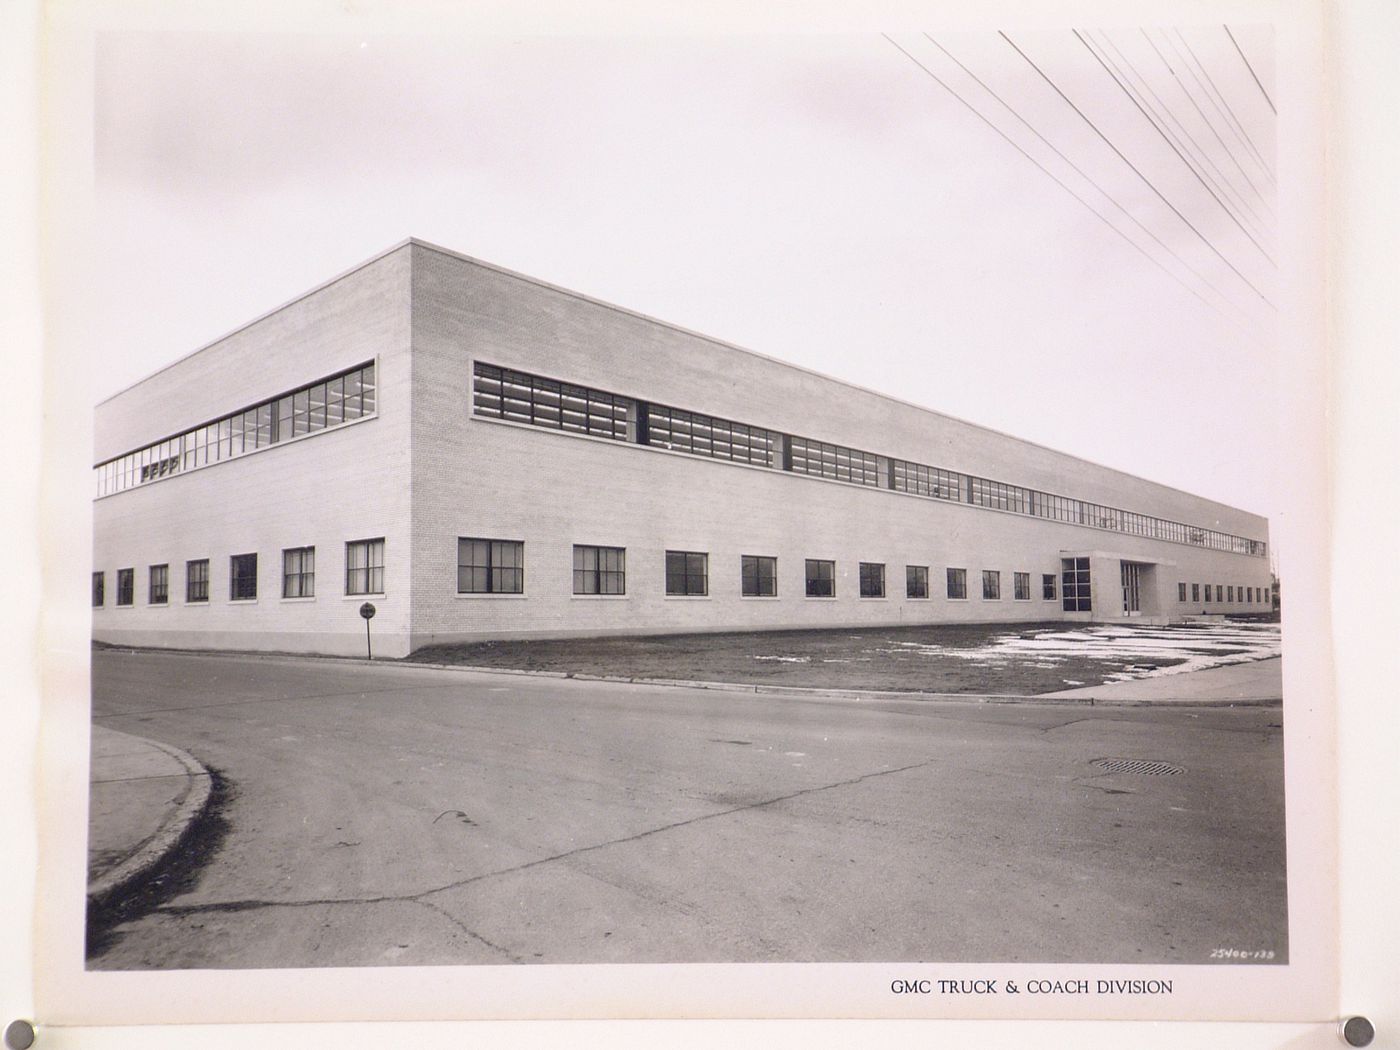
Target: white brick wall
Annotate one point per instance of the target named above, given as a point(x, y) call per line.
point(424, 472)
point(552, 490)
point(321, 490)
point(463, 308)
point(484, 478)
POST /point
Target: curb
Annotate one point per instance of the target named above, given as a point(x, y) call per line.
point(165, 839)
point(863, 694)
point(738, 687)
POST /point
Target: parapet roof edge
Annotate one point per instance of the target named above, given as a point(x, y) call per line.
point(803, 368)
point(462, 256)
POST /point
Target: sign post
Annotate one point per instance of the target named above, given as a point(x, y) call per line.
point(367, 611)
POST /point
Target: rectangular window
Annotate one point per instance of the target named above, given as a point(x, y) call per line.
point(1219, 593)
point(1074, 584)
point(1021, 583)
point(1207, 588)
point(1230, 594)
point(299, 572)
point(687, 573)
point(681, 431)
point(197, 580)
point(243, 577)
point(504, 393)
point(490, 566)
point(821, 578)
point(300, 416)
point(364, 567)
point(957, 583)
point(759, 575)
point(159, 590)
point(997, 495)
point(600, 570)
point(872, 579)
point(991, 585)
point(916, 581)
point(925, 481)
point(1181, 592)
point(324, 403)
point(834, 461)
point(126, 586)
point(99, 589)
point(1196, 593)
point(1250, 599)
point(1047, 586)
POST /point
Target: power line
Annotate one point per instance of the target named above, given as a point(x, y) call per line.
point(1124, 80)
point(1179, 154)
point(1224, 184)
point(1232, 119)
point(1148, 182)
point(1250, 68)
point(1211, 126)
point(1014, 145)
point(1111, 199)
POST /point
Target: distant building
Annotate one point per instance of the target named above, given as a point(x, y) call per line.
point(481, 455)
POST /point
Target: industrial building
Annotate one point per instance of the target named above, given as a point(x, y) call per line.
point(482, 455)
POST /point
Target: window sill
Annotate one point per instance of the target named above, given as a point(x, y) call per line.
point(198, 603)
point(360, 597)
point(687, 597)
point(760, 597)
point(594, 597)
point(243, 601)
point(819, 597)
point(873, 598)
point(301, 600)
point(490, 596)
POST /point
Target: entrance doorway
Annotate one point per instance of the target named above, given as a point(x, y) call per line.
point(1132, 588)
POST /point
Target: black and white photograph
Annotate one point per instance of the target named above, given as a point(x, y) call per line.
point(796, 633)
point(787, 504)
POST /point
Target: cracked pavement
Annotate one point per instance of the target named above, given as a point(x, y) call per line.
point(391, 814)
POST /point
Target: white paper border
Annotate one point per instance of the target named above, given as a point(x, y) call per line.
point(1362, 557)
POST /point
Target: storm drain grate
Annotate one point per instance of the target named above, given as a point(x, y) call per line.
point(1141, 766)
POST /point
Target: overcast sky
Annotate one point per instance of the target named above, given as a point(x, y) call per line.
point(820, 199)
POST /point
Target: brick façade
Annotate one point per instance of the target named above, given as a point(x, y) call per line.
point(424, 470)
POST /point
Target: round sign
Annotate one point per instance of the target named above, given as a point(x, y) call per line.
point(367, 611)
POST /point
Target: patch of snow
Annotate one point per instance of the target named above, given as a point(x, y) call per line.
point(1196, 646)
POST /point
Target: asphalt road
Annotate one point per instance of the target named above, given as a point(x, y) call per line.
point(394, 814)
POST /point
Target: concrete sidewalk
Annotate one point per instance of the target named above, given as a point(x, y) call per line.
point(1259, 681)
point(144, 798)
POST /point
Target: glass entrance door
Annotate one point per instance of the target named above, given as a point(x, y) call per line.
point(1132, 588)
